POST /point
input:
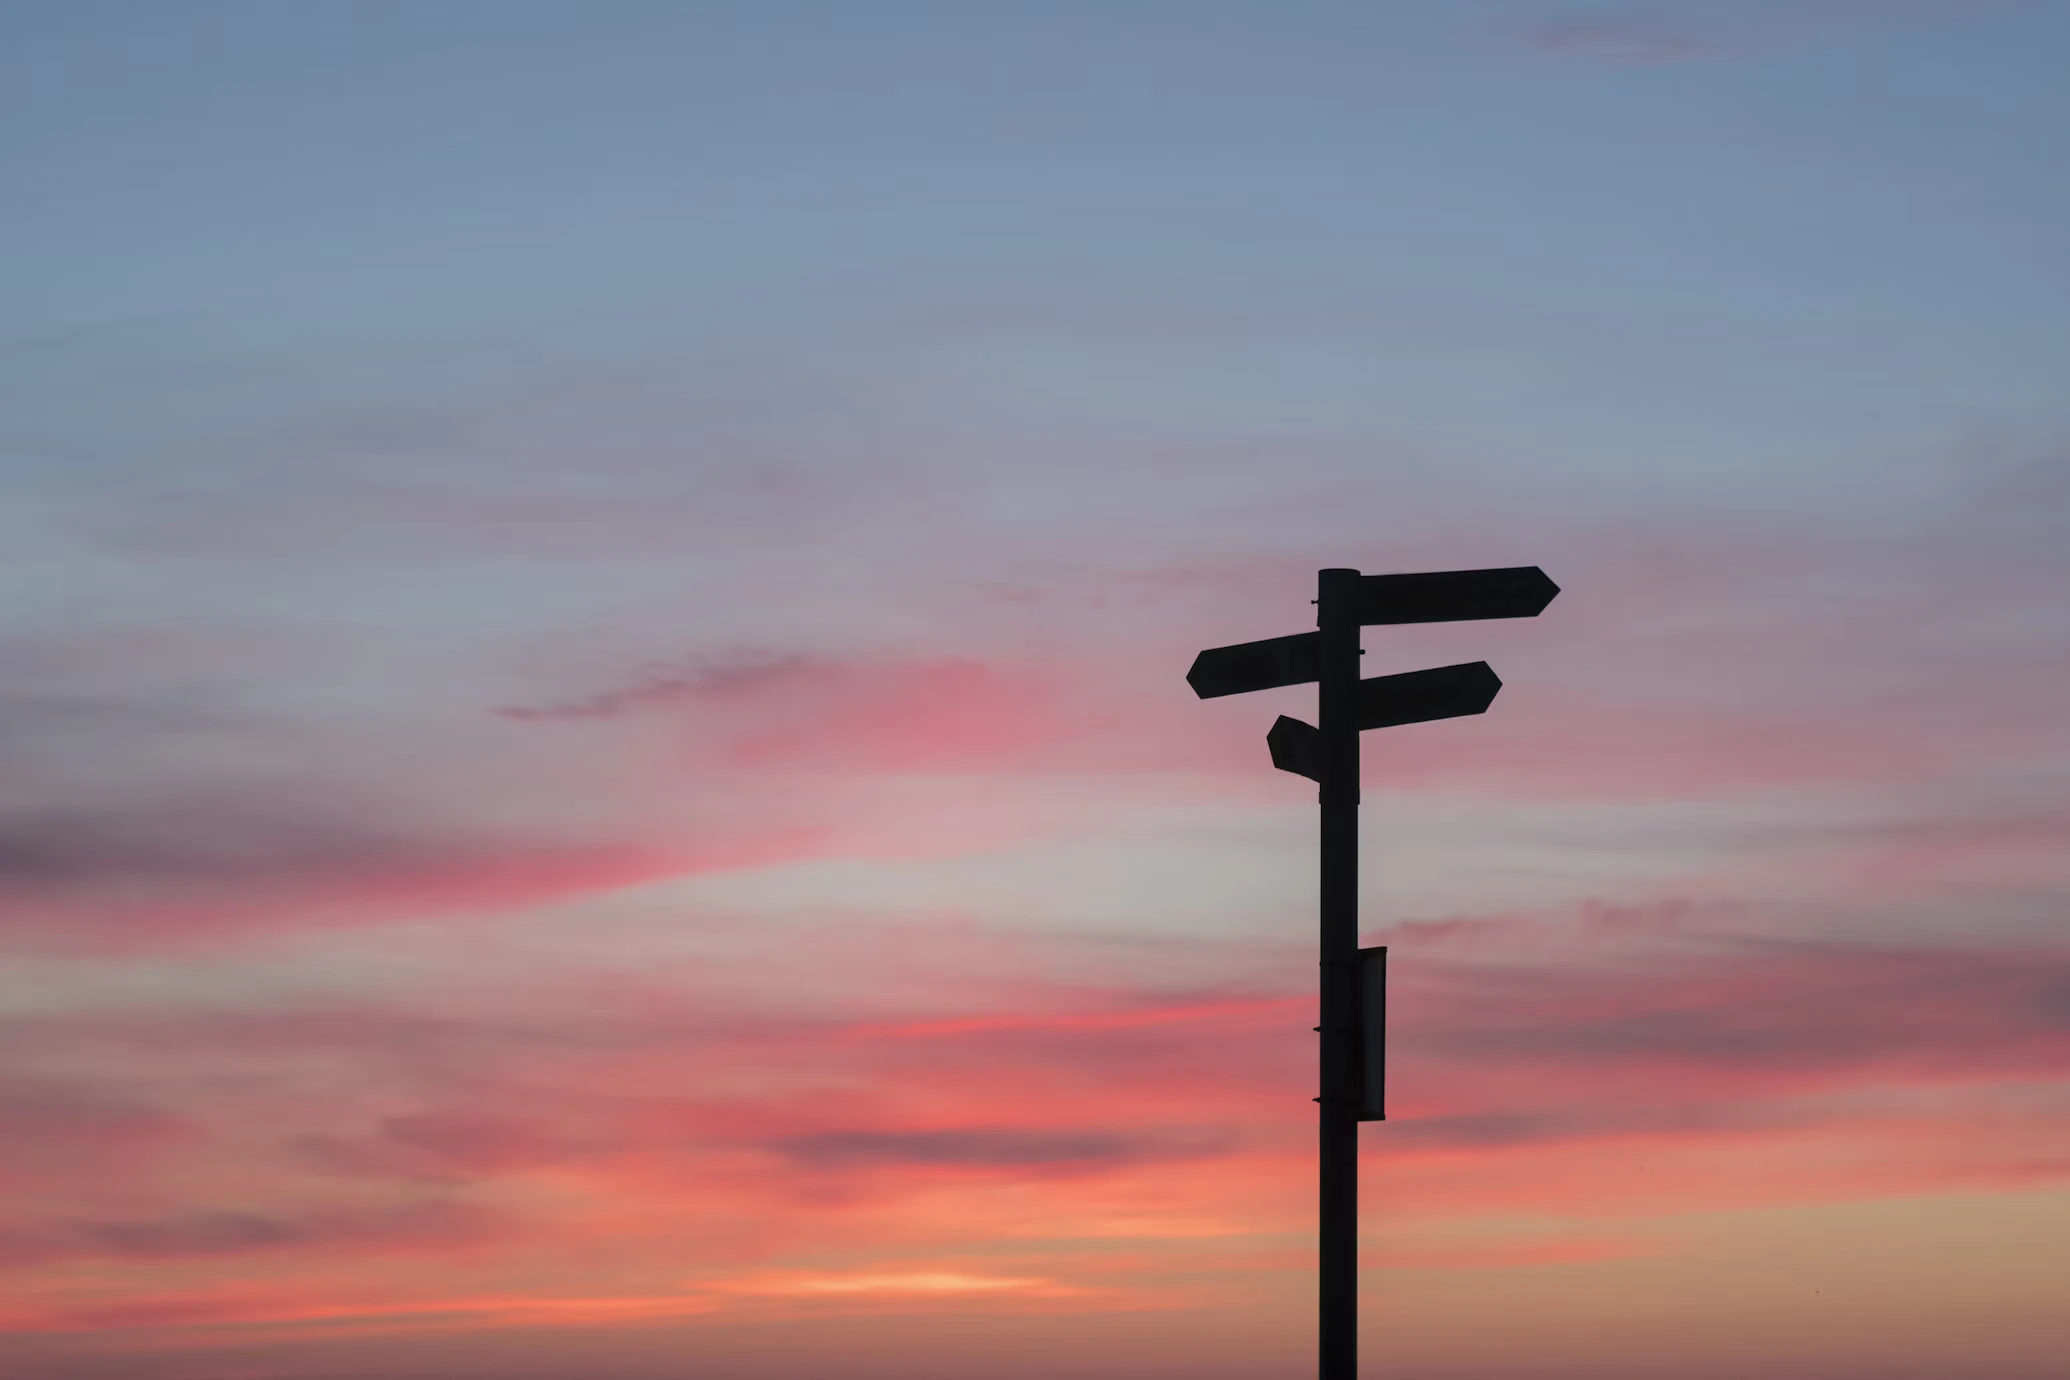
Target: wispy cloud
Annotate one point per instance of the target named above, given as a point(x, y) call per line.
point(1664, 35)
point(1618, 40)
point(715, 678)
point(143, 873)
point(213, 1232)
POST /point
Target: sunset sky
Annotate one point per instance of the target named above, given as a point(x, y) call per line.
point(595, 775)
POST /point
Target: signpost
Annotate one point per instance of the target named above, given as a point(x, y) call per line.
point(1354, 980)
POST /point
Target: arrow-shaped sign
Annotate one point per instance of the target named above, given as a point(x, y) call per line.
point(1251, 666)
point(1445, 596)
point(1431, 596)
point(1296, 747)
point(1414, 697)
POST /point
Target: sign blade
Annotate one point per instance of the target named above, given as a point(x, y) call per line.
point(1296, 747)
point(1247, 666)
point(1446, 596)
point(1414, 697)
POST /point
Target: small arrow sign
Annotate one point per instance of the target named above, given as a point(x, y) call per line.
point(1296, 747)
point(1251, 666)
point(1414, 697)
point(1443, 692)
point(1446, 596)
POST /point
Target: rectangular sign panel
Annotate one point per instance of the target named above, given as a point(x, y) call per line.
point(1372, 1027)
point(1251, 666)
point(1446, 596)
point(1414, 697)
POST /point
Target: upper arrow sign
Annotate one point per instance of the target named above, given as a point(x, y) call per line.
point(1443, 692)
point(1256, 665)
point(1445, 596)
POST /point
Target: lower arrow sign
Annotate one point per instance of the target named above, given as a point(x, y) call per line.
point(1414, 697)
point(1443, 692)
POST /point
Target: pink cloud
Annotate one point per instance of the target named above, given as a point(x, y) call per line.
point(56, 1123)
point(170, 871)
point(689, 1149)
point(408, 1228)
point(1674, 1041)
point(1685, 668)
point(716, 679)
point(798, 712)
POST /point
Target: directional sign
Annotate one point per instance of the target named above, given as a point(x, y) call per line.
point(1446, 596)
point(1256, 665)
point(1443, 692)
point(1296, 747)
point(1352, 1080)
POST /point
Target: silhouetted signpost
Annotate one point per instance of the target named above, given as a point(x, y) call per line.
point(1354, 981)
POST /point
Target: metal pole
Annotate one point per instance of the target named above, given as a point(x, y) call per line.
point(1337, 618)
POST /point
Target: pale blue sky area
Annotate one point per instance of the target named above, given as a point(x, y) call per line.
point(1811, 228)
